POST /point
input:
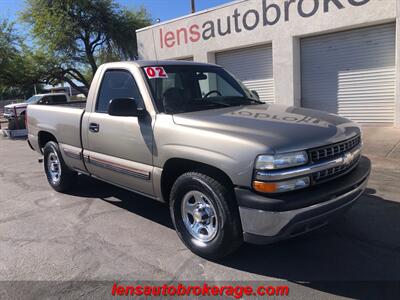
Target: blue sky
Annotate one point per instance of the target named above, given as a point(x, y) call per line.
point(169, 9)
point(163, 9)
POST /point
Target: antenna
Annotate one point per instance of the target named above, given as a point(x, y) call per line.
point(193, 6)
point(154, 43)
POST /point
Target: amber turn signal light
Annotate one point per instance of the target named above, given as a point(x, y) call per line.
point(265, 187)
point(281, 186)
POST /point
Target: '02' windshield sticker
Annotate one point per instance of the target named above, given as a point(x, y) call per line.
point(155, 72)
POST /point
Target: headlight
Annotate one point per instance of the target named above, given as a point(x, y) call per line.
point(281, 161)
point(281, 186)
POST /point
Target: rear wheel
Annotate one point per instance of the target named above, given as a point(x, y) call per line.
point(205, 215)
point(59, 176)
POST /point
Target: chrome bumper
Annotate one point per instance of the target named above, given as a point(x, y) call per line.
point(267, 219)
point(271, 224)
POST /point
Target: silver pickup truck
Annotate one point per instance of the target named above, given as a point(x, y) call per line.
point(231, 168)
point(19, 109)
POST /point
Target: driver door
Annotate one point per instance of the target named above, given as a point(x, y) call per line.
point(119, 147)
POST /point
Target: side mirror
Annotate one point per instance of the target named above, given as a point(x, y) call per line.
point(125, 107)
point(255, 93)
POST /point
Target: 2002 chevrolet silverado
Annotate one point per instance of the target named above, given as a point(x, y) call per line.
point(231, 167)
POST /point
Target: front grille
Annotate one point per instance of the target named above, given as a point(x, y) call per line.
point(333, 150)
point(328, 174)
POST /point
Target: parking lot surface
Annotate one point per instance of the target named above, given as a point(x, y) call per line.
point(100, 232)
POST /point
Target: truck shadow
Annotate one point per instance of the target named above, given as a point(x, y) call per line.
point(359, 251)
point(89, 187)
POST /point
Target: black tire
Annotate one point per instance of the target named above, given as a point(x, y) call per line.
point(67, 177)
point(228, 235)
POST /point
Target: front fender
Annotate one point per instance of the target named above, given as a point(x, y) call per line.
point(238, 170)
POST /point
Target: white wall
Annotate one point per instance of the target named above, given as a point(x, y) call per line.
point(398, 65)
point(284, 34)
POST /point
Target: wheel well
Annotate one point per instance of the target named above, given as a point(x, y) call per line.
point(44, 137)
point(175, 167)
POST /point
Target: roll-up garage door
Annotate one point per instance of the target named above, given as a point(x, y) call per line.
point(351, 73)
point(253, 66)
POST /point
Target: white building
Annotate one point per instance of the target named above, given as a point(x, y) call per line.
point(342, 56)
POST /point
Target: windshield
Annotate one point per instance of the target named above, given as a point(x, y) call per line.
point(185, 88)
point(32, 99)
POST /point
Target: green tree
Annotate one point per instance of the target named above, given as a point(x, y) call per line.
point(16, 78)
point(10, 47)
point(75, 36)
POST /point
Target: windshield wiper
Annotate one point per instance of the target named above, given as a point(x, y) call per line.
point(247, 99)
point(256, 101)
point(233, 101)
point(217, 102)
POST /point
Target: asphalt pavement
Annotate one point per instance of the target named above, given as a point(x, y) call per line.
point(103, 233)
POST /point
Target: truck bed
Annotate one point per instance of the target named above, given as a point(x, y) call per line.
point(62, 120)
point(73, 104)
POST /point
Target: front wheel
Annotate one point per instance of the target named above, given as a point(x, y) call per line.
point(205, 215)
point(59, 176)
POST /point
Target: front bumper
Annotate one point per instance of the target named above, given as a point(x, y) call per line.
point(267, 220)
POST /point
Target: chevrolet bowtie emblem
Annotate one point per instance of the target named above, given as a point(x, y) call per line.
point(349, 157)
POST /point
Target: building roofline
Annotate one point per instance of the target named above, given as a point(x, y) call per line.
point(149, 63)
point(204, 11)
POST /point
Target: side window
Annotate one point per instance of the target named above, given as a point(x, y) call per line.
point(45, 100)
point(117, 84)
point(59, 99)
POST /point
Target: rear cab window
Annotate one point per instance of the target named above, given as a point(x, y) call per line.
point(50, 99)
point(58, 99)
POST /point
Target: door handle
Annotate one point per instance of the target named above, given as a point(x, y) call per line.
point(93, 127)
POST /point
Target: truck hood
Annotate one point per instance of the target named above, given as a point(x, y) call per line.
point(279, 128)
point(16, 105)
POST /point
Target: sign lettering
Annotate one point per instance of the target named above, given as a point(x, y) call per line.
point(270, 14)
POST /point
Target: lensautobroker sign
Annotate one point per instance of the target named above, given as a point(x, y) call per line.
point(249, 20)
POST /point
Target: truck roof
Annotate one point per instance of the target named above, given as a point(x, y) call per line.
point(148, 63)
point(51, 94)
